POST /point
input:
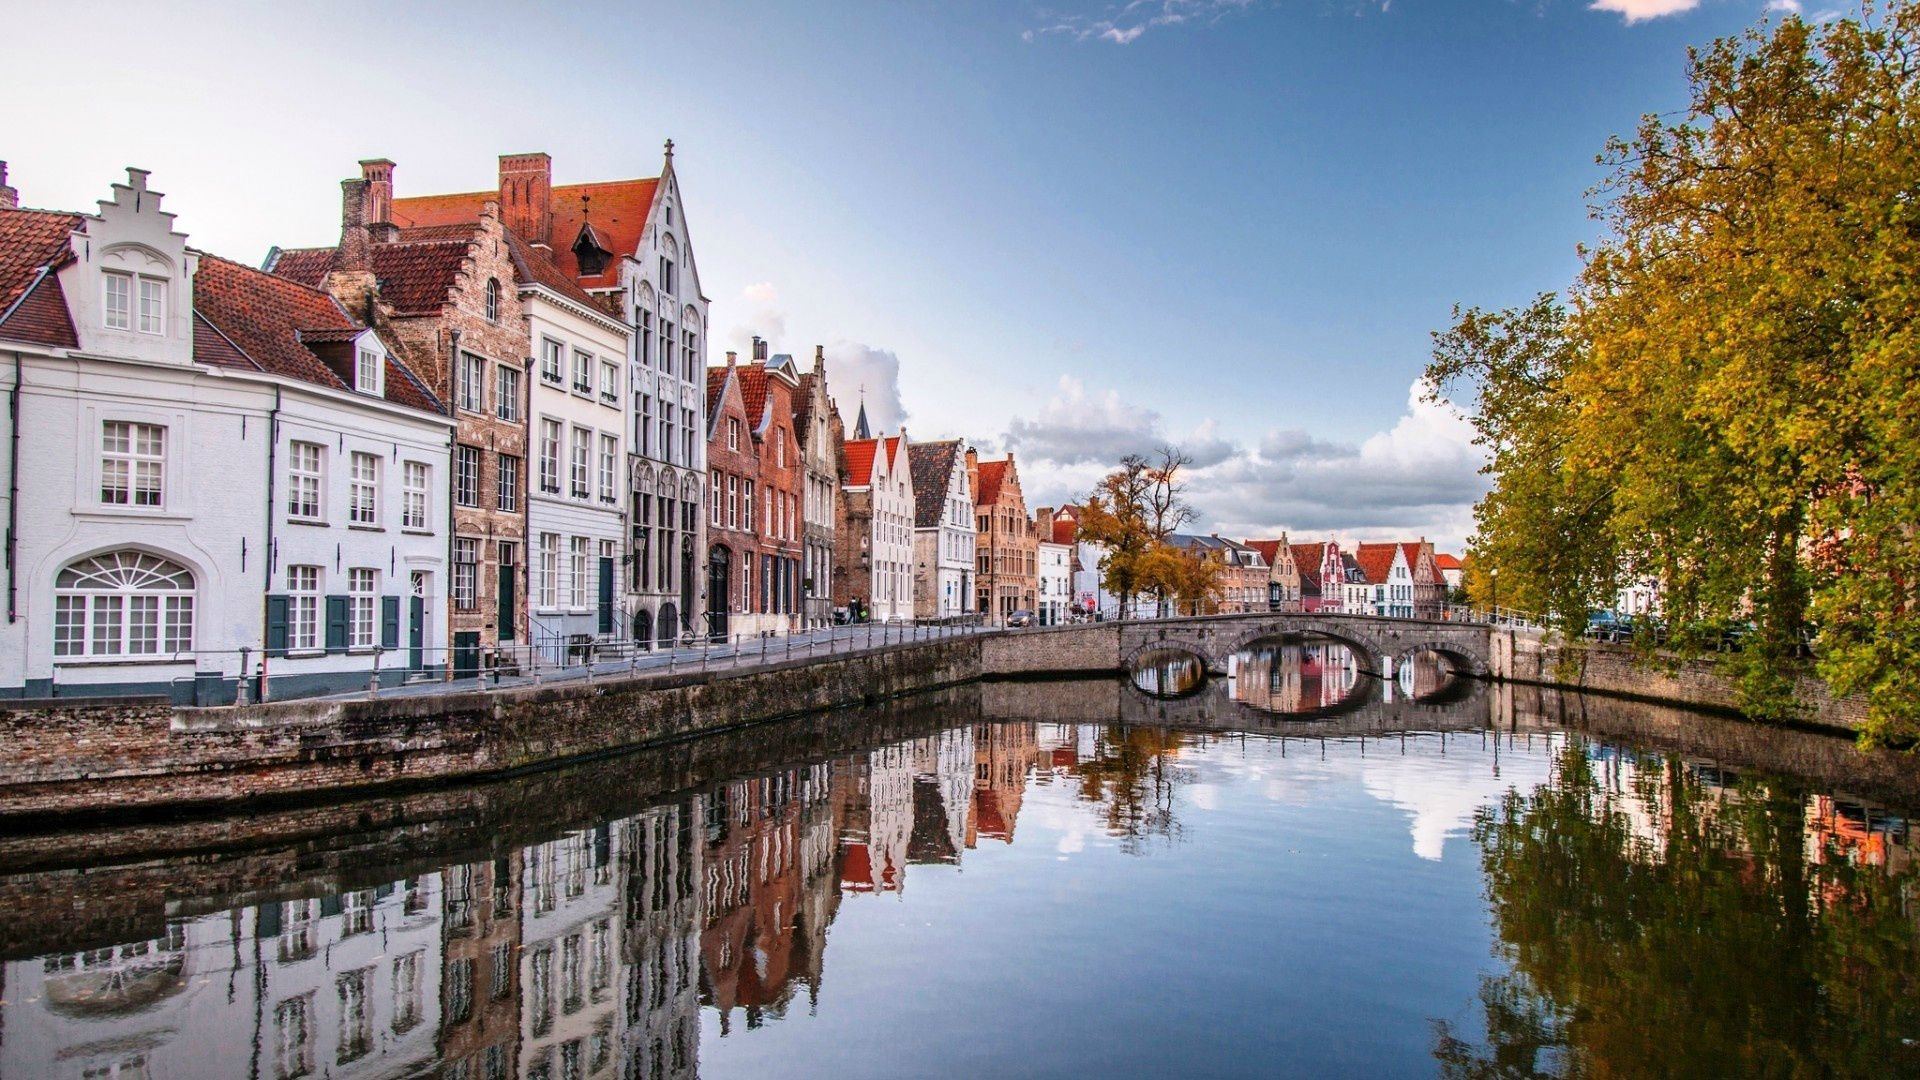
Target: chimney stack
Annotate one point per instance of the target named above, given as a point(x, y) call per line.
point(377, 174)
point(759, 349)
point(9, 198)
point(354, 242)
point(731, 357)
point(526, 196)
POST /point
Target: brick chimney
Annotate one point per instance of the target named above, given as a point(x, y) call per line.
point(759, 349)
point(526, 196)
point(378, 176)
point(9, 198)
point(354, 242)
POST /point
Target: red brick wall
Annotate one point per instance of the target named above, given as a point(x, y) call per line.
point(739, 464)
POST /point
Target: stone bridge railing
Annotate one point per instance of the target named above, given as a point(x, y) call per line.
point(1379, 643)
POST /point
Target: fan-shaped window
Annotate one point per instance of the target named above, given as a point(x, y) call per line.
point(123, 603)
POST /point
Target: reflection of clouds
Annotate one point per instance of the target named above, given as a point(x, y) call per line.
point(1204, 796)
point(1057, 817)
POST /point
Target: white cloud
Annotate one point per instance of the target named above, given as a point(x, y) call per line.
point(1641, 10)
point(857, 372)
point(1118, 24)
point(1419, 477)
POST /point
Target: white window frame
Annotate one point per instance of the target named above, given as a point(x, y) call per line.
point(363, 502)
point(417, 478)
point(577, 566)
point(579, 473)
point(549, 570)
point(363, 607)
point(303, 608)
point(366, 370)
point(104, 623)
point(466, 482)
point(506, 393)
point(550, 456)
point(583, 372)
point(610, 382)
point(306, 481)
point(466, 573)
point(131, 467)
point(116, 299)
point(609, 467)
point(470, 391)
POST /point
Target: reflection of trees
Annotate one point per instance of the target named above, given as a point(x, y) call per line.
point(1129, 776)
point(1719, 950)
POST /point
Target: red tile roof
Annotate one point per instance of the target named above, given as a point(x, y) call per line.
point(1307, 559)
point(932, 466)
point(1376, 561)
point(415, 274)
point(753, 392)
point(716, 382)
point(986, 489)
point(1447, 562)
point(32, 241)
point(534, 267)
point(860, 455)
point(618, 209)
point(1064, 531)
point(1268, 549)
point(246, 317)
point(1414, 552)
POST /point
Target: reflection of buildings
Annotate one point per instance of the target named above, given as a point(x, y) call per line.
point(341, 986)
point(570, 911)
point(479, 991)
point(767, 889)
point(1294, 677)
point(1003, 754)
point(660, 860)
point(1843, 830)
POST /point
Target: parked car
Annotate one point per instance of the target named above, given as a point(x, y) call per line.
point(1608, 626)
point(1019, 619)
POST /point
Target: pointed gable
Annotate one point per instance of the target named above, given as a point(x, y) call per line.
point(929, 461)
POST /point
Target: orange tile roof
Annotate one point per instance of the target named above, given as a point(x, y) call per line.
point(1064, 531)
point(1413, 552)
point(618, 209)
point(986, 489)
point(1307, 559)
point(30, 241)
point(415, 274)
point(1447, 562)
point(753, 392)
point(1268, 549)
point(534, 267)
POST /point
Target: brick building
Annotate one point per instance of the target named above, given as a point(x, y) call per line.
point(1283, 574)
point(1005, 545)
point(733, 463)
point(444, 296)
point(767, 392)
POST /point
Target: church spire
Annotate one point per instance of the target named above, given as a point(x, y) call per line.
point(860, 423)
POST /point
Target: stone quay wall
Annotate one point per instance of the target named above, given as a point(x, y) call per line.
point(123, 758)
point(1540, 659)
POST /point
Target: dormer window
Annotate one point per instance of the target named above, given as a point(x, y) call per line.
point(366, 371)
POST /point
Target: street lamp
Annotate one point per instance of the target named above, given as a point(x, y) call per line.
point(1493, 575)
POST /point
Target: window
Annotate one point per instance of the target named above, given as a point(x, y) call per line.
point(733, 433)
point(644, 320)
point(582, 453)
point(493, 300)
point(582, 372)
point(666, 347)
point(686, 352)
point(552, 355)
point(549, 569)
point(293, 1048)
point(609, 459)
point(366, 372)
point(133, 463)
point(666, 286)
point(508, 481)
point(466, 475)
point(666, 432)
point(644, 429)
point(780, 447)
point(118, 300)
point(578, 593)
point(303, 607)
point(363, 506)
point(686, 435)
point(746, 505)
point(550, 456)
point(356, 1014)
point(609, 382)
point(466, 573)
point(733, 502)
point(362, 585)
point(714, 503)
point(304, 480)
point(406, 992)
point(413, 510)
point(506, 393)
point(124, 603)
point(471, 390)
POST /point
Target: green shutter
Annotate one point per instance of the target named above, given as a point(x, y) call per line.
point(336, 623)
point(389, 622)
point(276, 626)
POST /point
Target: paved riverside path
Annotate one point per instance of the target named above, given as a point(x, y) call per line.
point(748, 653)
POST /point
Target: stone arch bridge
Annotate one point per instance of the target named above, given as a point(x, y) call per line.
point(1379, 643)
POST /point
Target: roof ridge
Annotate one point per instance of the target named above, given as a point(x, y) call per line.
point(236, 264)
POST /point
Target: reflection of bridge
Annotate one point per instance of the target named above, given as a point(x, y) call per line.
point(1378, 643)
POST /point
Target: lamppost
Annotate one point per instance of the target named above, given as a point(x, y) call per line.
point(1493, 575)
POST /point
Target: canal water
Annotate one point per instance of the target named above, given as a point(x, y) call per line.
point(1298, 867)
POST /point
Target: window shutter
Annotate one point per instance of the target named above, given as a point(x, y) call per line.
point(336, 623)
point(276, 626)
point(389, 622)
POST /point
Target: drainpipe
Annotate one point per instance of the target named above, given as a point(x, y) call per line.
point(267, 557)
point(13, 497)
point(453, 452)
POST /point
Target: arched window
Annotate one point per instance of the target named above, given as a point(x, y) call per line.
point(493, 300)
point(123, 603)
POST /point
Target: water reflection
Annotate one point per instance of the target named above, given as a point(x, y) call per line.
point(1294, 675)
point(1169, 673)
point(1632, 895)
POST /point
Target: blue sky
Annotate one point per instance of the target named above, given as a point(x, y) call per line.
point(1067, 228)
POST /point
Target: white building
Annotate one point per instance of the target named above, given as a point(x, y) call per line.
point(215, 467)
point(943, 536)
point(577, 502)
point(625, 242)
point(1056, 582)
point(878, 499)
point(571, 954)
